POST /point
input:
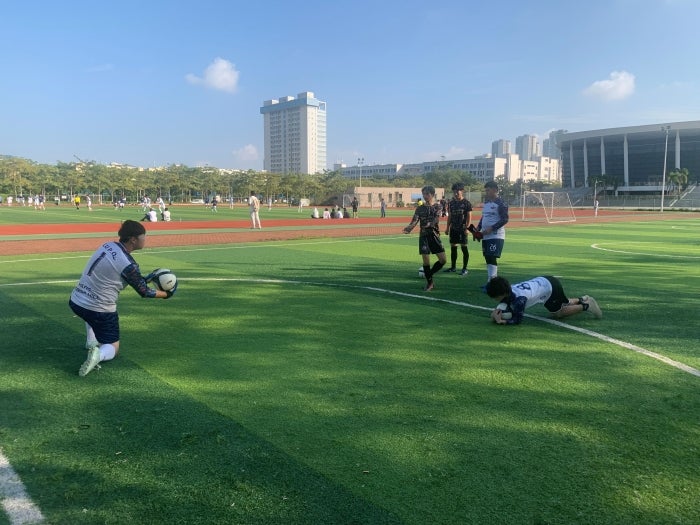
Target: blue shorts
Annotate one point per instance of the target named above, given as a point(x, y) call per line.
point(104, 324)
point(492, 247)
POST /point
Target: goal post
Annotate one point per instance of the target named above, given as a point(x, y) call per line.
point(550, 206)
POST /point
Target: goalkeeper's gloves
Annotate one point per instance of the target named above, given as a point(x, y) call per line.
point(150, 276)
point(171, 292)
point(477, 235)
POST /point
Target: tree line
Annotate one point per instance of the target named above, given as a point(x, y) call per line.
point(180, 183)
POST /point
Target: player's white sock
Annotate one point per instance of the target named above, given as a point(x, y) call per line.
point(107, 352)
point(90, 339)
point(491, 270)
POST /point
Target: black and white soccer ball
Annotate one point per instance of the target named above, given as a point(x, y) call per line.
point(506, 312)
point(421, 273)
point(164, 279)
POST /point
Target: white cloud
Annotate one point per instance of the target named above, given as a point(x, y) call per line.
point(100, 68)
point(246, 153)
point(619, 86)
point(221, 75)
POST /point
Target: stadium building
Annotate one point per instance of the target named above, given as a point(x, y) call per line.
point(635, 156)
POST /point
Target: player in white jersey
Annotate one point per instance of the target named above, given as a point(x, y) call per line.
point(494, 217)
point(110, 269)
point(545, 290)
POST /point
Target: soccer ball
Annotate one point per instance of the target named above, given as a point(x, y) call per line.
point(505, 311)
point(164, 279)
point(421, 273)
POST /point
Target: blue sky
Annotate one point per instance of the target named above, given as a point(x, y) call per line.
point(166, 82)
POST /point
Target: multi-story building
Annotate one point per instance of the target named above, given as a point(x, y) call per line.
point(549, 145)
point(634, 156)
point(501, 148)
point(527, 147)
point(295, 134)
point(484, 168)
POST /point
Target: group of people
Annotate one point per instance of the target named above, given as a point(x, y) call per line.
point(490, 231)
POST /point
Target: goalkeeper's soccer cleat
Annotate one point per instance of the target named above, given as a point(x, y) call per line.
point(91, 362)
point(593, 306)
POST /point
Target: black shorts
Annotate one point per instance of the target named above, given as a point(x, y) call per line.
point(458, 236)
point(558, 298)
point(429, 243)
point(104, 324)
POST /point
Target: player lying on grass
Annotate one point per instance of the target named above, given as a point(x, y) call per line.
point(545, 290)
point(94, 299)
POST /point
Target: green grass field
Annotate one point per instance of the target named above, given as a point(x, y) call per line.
point(180, 212)
point(314, 382)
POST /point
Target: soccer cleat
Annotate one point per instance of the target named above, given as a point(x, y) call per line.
point(449, 270)
point(593, 306)
point(91, 362)
point(89, 345)
point(464, 272)
point(429, 287)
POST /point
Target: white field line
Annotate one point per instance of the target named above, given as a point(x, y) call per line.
point(15, 501)
point(629, 346)
point(22, 511)
point(626, 252)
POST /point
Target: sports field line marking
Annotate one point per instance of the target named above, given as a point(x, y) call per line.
point(676, 364)
point(20, 509)
point(599, 247)
point(263, 244)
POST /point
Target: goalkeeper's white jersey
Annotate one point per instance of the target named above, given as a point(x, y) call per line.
point(536, 291)
point(101, 281)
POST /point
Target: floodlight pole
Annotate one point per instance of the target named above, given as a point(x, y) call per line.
point(663, 177)
point(360, 162)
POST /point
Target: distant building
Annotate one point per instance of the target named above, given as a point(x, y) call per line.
point(633, 155)
point(295, 134)
point(527, 147)
point(549, 145)
point(501, 148)
point(484, 168)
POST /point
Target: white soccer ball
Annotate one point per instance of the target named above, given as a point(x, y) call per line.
point(421, 273)
point(505, 311)
point(164, 279)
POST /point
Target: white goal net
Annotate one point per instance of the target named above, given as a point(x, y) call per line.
point(550, 206)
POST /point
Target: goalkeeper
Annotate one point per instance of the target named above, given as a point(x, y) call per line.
point(94, 299)
point(545, 290)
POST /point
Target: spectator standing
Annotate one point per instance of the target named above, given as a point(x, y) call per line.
point(254, 205)
point(355, 205)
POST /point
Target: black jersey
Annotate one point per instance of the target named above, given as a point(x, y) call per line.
point(428, 215)
point(458, 210)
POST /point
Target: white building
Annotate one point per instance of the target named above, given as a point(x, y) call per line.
point(295, 134)
point(527, 146)
point(500, 148)
point(484, 168)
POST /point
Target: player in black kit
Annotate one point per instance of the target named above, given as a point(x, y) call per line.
point(458, 219)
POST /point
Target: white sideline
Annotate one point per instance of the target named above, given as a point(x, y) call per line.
point(15, 501)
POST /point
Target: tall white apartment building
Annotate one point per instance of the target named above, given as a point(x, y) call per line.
point(295, 134)
point(500, 148)
point(527, 147)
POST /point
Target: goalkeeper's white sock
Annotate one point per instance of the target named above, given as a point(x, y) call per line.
point(491, 270)
point(90, 339)
point(107, 352)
